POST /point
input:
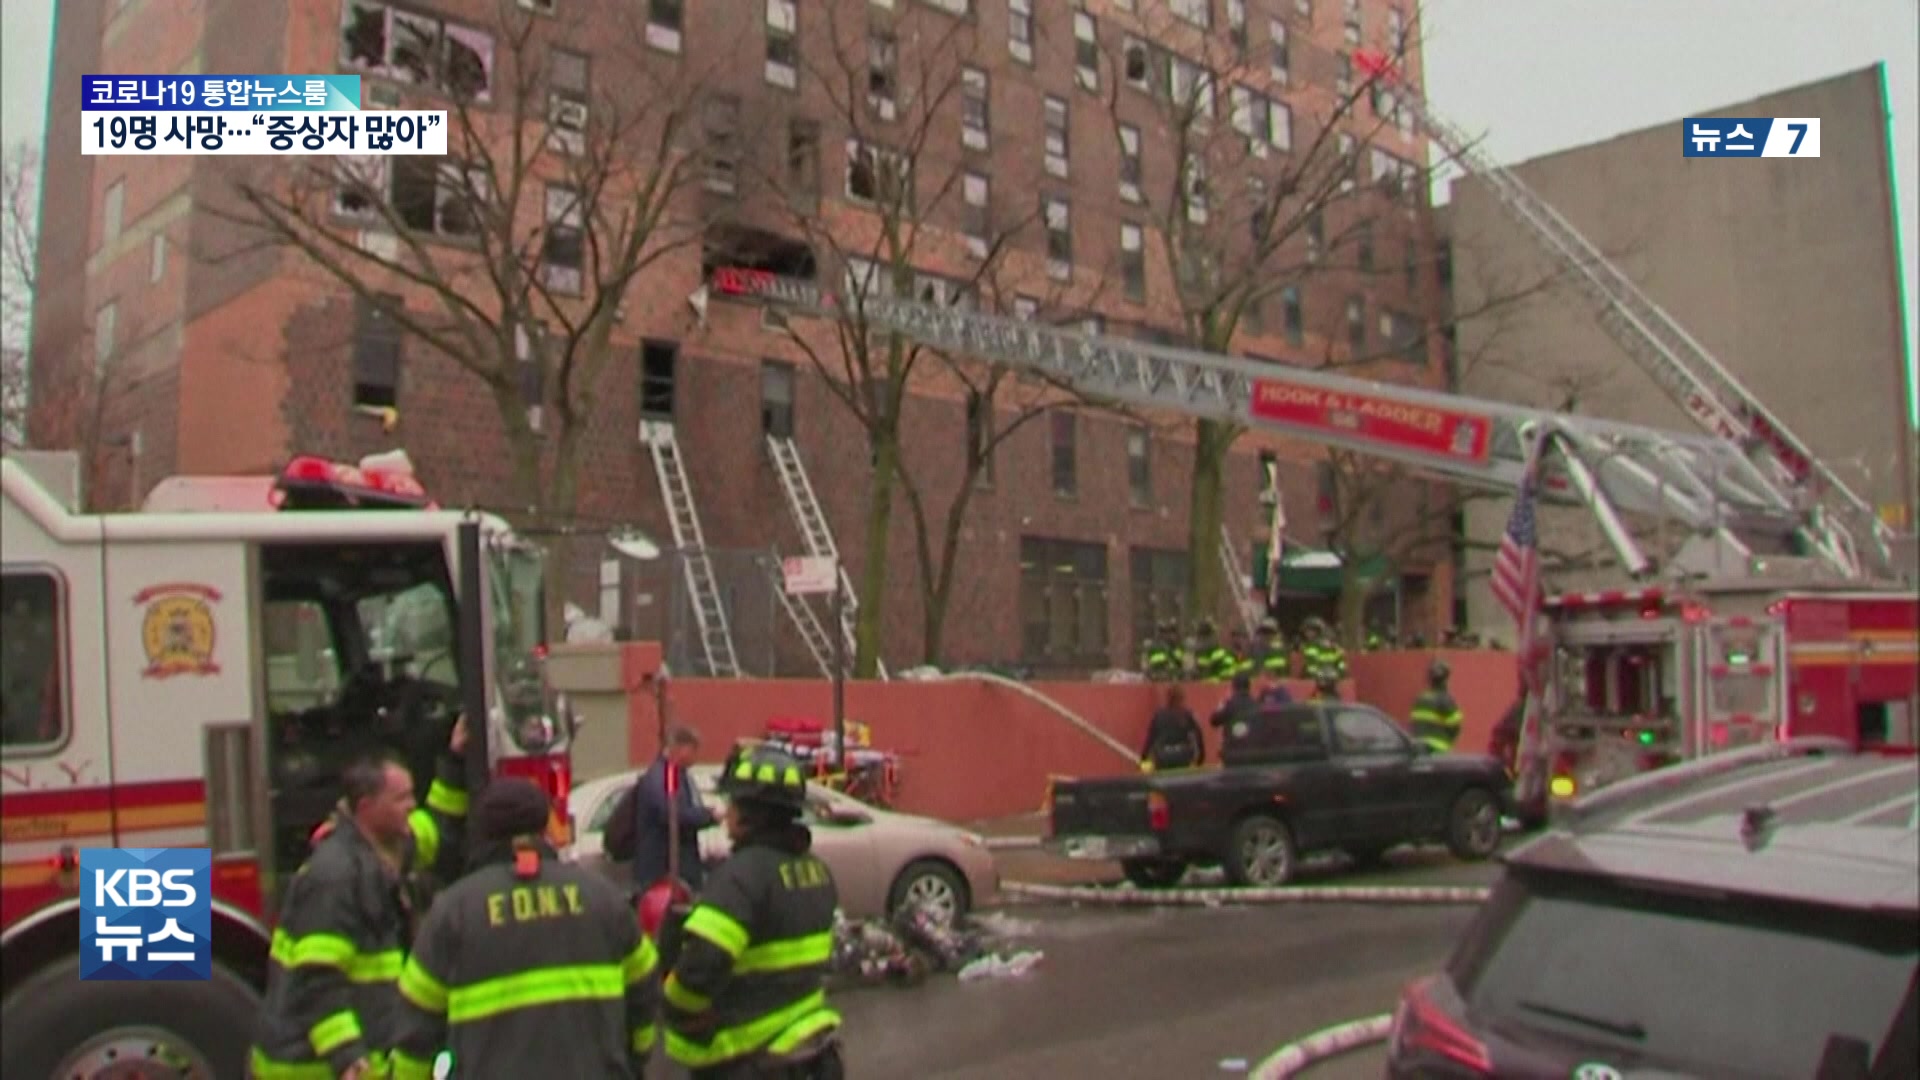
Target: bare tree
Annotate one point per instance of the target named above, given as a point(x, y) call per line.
point(564, 187)
point(19, 218)
point(916, 222)
point(1247, 191)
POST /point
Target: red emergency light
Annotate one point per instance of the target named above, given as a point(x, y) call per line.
point(314, 483)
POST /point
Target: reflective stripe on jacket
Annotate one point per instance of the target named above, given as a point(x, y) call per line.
point(544, 974)
point(345, 925)
point(1216, 662)
point(751, 974)
point(1320, 657)
point(1436, 719)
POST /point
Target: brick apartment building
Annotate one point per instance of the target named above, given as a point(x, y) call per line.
point(1788, 271)
point(229, 360)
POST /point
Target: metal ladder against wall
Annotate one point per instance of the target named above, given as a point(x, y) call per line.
point(1237, 579)
point(815, 533)
point(803, 619)
point(703, 587)
point(1683, 367)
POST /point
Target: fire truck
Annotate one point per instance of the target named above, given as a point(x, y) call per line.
point(196, 674)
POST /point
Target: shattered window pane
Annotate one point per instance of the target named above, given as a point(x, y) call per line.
point(363, 36)
point(415, 185)
point(414, 49)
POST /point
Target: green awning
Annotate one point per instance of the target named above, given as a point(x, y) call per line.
point(1315, 572)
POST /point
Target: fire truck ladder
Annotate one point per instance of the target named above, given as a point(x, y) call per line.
point(1705, 483)
point(1840, 523)
point(811, 632)
point(815, 533)
point(703, 587)
point(1237, 579)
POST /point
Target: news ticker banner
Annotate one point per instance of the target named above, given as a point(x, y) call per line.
point(1751, 136)
point(247, 115)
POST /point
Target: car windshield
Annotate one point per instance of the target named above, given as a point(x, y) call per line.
point(1706, 984)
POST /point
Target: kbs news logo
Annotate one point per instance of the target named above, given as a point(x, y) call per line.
point(146, 914)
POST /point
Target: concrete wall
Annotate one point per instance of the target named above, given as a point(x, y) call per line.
point(1784, 269)
point(974, 750)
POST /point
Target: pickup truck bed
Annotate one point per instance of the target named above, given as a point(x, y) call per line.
point(1295, 779)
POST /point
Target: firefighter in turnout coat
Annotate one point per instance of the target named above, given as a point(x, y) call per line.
point(1163, 659)
point(347, 921)
point(747, 994)
point(527, 966)
point(1320, 654)
point(1436, 715)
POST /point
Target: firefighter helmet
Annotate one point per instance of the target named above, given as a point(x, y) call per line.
point(764, 774)
point(1205, 628)
point(1269, 625)
point(1314, 624)
point(1169, 627)
point(1438, 671)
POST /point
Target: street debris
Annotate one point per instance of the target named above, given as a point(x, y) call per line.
point(918, 941)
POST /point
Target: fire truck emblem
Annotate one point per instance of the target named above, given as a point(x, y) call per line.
point(178, 631)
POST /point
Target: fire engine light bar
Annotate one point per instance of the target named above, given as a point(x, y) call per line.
point(380, 482)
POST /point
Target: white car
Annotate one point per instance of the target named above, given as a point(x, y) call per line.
point(880, 860)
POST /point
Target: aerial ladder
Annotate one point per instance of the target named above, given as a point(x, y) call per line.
point(1250, 610)
point(703, 585)
point(817, 536)
point(1839, 523)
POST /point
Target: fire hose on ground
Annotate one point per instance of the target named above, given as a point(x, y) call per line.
point(1301, 1054)
point(1221, 896)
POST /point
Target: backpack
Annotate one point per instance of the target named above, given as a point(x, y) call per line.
point(621, 842)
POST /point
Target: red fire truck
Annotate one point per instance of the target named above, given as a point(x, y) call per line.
point(196, 676)
point(1641, 677)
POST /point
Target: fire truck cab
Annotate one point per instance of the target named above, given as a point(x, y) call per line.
point(1644, 677)
point(197, 674)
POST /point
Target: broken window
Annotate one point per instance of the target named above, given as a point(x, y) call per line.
point(376, 352)
point(657, 362)
point(1279, 63)
point(434, 196)
point(1133, 261)
point(1195, 176)
point(803, 158)
point(976, 226)
point(664, 23)
point(1192, 88)
point(1055, 111)
point(1130, 167)
point(783, 43)
point(1293, 315)
point(563, 254)
point(875, 175)
point(1237, 25)
point(883, 57)
point(1020, 30)
point(1086, 51)
point(567, 95)
point(421, 50)
point(1136, 61)
point(722, 128)
point(1059, 224)
point(975, 109)
point(1357, 322)
point(776, 399)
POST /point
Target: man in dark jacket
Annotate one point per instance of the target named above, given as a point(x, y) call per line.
point(746, 999)
point(667, 779)
point(527, 966)
point(1239, 703)
point(1173, 736)
point(347, 920)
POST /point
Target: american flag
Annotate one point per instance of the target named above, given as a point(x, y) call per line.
point(1516, 569)
point(1277, 538)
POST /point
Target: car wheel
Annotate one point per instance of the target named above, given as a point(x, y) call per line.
point(1262, 853)
point(1154, 873)
point(1473, 825)
point(931, 884)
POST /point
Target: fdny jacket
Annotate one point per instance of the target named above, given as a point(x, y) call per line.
point(343, 933)
point(529, 967)
point(1436, 719)
point(751, 974)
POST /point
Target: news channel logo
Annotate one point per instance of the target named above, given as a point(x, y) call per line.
point(257, 115)
point(146, 914)
point(1751, 136)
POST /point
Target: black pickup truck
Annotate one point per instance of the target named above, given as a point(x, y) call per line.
point(1294, 779)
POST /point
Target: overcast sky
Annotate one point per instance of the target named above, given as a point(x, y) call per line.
point(1533, 76)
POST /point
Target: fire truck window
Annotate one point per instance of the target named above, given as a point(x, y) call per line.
point(32, 705)
point(303, 669)
point(1743, 694)
point(413, 631)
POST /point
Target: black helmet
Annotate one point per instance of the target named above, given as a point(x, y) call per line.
point(1438, 671)
point(1169, 626)
point(1204, 626)
point(764, 774)
point(1314, 624)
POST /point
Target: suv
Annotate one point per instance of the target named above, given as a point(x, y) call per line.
point(1752, 914)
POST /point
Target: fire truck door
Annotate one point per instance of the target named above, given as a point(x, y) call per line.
point(1738, 667)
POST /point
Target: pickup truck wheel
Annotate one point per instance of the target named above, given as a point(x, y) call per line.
point(1262, 853)
point(1154, 873)
point(1473, 825)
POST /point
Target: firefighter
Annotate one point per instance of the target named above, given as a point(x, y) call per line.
point(1173, 735)
point(1212, 661)
point(1377, 640)
point(522, 949)
point(1163, 660)
point(1270, 654)
point(348, 917)
point(747, 994)
point(1436, 715)
point(1241, 647)
point(1320, 653)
